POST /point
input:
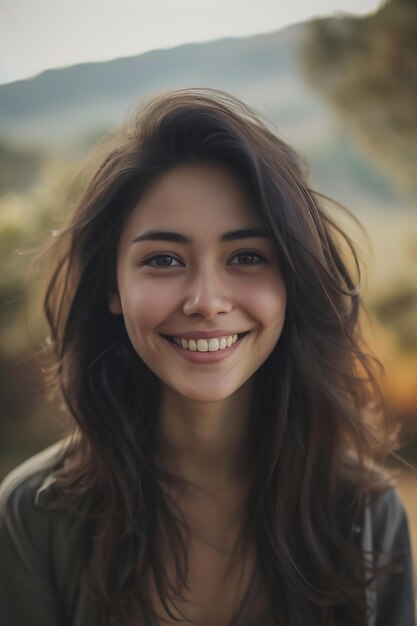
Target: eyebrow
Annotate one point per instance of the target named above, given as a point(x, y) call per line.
point(244, 233)
point(167, 235)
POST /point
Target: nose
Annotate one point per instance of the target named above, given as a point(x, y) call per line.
point(207, 296)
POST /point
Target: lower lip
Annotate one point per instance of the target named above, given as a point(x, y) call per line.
point(204, 357)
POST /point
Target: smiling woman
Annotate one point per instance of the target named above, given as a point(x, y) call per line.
point(222, 468)
point(209, 279)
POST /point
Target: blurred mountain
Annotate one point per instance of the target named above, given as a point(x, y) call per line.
point(62, 111)
point(56, 104)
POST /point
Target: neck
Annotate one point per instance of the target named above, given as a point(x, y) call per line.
point(204, 443)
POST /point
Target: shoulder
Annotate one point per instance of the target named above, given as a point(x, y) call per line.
point(44, 548)
point(380, 515)
point(386, 545)
point(386, 519)
point(26, 535)
point(27, 522)
point(21, 490)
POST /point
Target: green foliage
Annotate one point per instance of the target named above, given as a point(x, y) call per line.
point(398, 310)
point(26, 219)
point(367, 69)
point(19, 168)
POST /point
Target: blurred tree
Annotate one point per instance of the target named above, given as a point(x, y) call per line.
point(397, 310)
point(19, 168)
point(26, 217)
point(367, 68)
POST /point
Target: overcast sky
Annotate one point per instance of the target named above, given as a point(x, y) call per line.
point(40, 34)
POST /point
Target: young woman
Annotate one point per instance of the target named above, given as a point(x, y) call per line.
point(222, 466)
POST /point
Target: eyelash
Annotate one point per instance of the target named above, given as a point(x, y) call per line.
point(249, 253)
point(161, 255)
point(152, 261)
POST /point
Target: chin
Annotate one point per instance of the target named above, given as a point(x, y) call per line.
point(209, 394)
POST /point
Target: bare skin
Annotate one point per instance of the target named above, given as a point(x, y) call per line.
point(203, 444)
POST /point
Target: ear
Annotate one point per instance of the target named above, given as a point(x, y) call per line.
point(115, 305)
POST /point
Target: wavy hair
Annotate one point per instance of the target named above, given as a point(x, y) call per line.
point(312, 445)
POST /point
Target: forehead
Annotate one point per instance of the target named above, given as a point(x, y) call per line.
point(195, 197)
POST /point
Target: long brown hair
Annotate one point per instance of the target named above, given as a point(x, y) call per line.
point(311, 446)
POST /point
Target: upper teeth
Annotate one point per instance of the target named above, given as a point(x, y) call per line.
point(206, 345)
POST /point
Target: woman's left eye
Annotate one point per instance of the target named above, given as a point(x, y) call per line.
point(246, 258)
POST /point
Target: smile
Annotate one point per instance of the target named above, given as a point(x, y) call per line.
point(206, 345)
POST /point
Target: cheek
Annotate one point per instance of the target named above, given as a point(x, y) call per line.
point(268, 304)
point(145, 307)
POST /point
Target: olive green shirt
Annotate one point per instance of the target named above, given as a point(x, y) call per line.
point(45, 554)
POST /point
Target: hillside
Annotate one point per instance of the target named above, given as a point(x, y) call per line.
point(62, 111)
point(92, 96)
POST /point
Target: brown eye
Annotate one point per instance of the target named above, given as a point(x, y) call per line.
point(163, 260)
point(247, 258)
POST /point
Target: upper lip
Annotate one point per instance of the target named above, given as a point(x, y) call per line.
point(205, 334)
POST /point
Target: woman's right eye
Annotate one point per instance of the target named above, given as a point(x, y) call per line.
point(162, 260)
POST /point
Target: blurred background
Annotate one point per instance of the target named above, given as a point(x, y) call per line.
point(340, 87)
